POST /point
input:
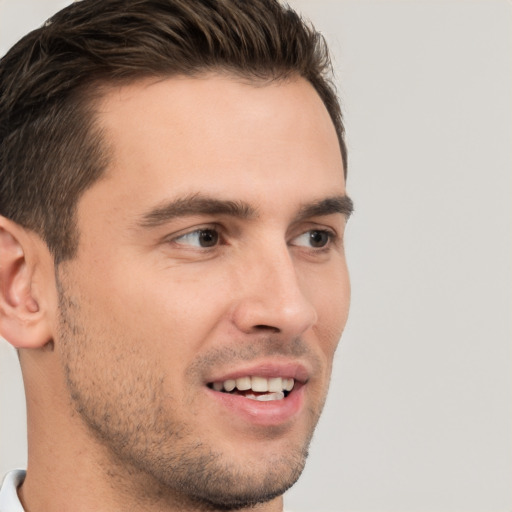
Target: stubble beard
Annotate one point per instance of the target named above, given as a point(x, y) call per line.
point(151, 453)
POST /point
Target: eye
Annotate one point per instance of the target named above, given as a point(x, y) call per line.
point(316, 238)
point(203, 238)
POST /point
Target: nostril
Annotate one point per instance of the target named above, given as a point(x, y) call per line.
point(267, 328)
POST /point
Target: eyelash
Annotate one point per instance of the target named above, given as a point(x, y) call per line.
point(211, 230)
point(218, 239)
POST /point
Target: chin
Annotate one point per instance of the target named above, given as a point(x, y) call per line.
point(229, 488)
point(207, 479)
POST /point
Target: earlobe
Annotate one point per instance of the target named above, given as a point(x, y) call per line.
point(23, 321)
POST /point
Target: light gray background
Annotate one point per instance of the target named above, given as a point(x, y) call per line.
point(420, 412)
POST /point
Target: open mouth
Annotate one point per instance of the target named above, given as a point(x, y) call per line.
point(256, 388)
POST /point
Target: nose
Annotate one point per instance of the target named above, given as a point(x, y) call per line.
point(271, 296)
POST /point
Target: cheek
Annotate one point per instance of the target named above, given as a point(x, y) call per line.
point(173, 311)
point(331, 296)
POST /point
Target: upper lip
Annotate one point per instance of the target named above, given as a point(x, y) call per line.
point(268, 369)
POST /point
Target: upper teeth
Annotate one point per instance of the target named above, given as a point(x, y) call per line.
point(257, 384)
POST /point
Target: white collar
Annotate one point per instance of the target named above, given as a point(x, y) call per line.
point(9, 501)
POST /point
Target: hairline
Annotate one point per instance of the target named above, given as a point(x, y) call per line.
point(90, 96)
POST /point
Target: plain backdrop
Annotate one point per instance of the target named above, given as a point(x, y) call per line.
point(419, 417)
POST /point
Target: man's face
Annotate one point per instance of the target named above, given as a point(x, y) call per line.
point(210, 256)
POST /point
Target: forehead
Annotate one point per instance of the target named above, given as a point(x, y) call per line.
point(220, 136)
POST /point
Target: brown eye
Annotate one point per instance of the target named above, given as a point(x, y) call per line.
point(318, 238)
point(314, 239)
point(202, 238)
point(208, 238)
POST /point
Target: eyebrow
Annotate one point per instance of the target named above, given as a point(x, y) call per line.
point(195, 204)
point(328, 206)
point(198, 204)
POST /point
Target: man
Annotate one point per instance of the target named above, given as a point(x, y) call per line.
point(172, 184)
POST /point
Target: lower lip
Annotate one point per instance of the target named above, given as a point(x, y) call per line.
point(271, 413)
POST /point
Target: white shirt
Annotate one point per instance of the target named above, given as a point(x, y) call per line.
point(9, 501)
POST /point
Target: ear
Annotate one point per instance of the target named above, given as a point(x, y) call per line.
point(24, 318)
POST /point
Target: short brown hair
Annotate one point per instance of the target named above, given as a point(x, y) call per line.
point(50, 150)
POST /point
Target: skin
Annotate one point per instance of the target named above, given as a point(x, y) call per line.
point(132, 329)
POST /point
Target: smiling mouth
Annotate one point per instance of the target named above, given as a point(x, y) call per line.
point(261, 389)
